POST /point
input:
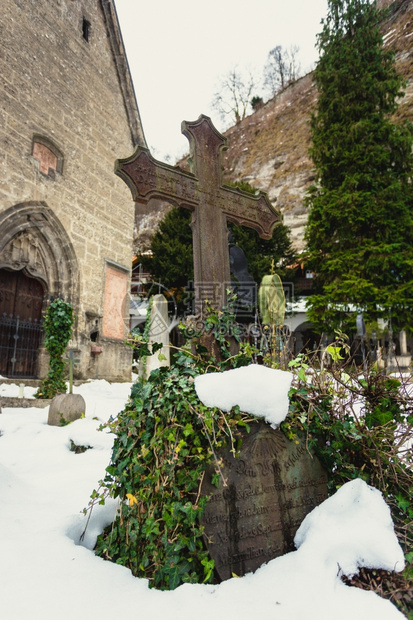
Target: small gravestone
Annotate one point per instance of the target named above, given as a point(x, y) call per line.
point(270, 488)
point(66, 408)
point(158, 333)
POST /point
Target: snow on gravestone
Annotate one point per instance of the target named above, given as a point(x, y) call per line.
point(270, 487)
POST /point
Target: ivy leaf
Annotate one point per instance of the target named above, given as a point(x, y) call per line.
point(402, 502)
point(174, 577)
point(302, 375)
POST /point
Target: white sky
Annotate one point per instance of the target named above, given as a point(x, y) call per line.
point(178, 49)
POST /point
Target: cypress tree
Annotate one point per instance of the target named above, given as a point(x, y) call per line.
point(360, 231)
point(171, 260)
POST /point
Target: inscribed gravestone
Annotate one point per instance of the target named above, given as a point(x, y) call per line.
point(212, 204)
point(269, 490)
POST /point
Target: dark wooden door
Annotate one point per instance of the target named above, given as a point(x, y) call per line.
point(21, 303)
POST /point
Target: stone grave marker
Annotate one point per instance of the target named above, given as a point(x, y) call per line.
point(269, 490)
point(69, 407)
point(211, 202)
point(159, 333)
point(66, 408)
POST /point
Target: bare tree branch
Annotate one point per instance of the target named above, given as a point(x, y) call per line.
point(282, 68)
point(234, 94)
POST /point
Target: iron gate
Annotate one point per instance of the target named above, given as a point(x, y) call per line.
point(19, 345)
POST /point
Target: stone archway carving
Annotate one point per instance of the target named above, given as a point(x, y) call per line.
point(37, 262)
point(34, 240)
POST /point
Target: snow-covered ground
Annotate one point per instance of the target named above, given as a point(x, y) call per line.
point(45, 573)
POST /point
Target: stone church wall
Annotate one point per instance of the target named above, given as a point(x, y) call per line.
point(63, 123)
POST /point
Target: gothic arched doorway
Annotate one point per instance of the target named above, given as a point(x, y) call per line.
point(21, 303)
point(37, 262)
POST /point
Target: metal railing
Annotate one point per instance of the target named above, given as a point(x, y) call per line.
point(20, 340)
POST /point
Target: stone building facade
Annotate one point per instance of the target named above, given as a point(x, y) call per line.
point(68, 111)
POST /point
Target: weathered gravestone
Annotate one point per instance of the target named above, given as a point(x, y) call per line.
point(66, 408)
point(158, 333)
point(212, 204)
point(268, 491)
point(243, 284)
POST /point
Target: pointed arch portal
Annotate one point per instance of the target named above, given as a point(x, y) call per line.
point(37, 262)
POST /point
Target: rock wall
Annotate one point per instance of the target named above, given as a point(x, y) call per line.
point(269, 148)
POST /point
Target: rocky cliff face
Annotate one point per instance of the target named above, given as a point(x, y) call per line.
point(269, 148)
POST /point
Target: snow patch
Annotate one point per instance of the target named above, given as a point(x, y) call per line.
point(258, 390)
point(44, 487)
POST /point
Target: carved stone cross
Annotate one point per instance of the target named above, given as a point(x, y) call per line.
point(211, 203)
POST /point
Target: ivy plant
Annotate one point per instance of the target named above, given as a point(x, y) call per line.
point(165, 438)
point(57, 324)
point(360, 426)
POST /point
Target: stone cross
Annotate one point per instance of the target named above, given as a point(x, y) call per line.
point(211, 203)
point(72, 361)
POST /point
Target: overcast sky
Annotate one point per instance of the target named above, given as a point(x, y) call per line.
point(178, 49)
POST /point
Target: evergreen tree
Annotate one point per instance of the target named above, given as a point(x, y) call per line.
point(360, 233)
point(171, 259)
point(263, 253)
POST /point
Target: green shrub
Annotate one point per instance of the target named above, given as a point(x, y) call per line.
point(57, 324)
point(360, 426)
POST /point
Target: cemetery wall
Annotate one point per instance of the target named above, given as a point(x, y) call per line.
point(68, 110)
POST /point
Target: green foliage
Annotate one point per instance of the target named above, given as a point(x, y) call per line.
point(165, 438)
point(360, 229)
point(262, 253)
point(256, 102)
point(171, 262)
point(57, 324)
point(142, 348)
point(359, 427)
point(218, 332)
